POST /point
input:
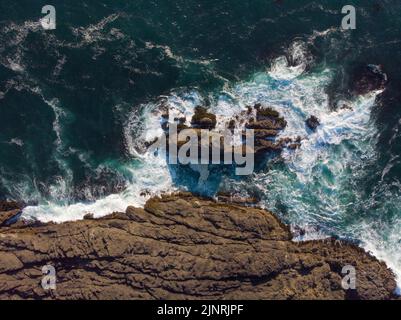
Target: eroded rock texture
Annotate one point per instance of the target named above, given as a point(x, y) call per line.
point(182, 247)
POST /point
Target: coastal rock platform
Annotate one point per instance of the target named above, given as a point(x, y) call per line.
point(183, 247)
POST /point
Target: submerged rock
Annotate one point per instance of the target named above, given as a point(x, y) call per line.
point(183, 247)
point(368, 78)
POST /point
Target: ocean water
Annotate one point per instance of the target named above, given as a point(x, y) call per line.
point(77, 104)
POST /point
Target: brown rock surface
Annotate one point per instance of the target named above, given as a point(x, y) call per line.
point(183, 247)
point(203, 119)
point(9, 205)
point(267, 126)
point(8, 211)
point(6, 216)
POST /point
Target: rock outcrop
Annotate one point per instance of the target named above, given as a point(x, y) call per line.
point(265, 122)
point(182, 247)
point(312, 122)
point(368, 78)
point(9, 205)
point(9, 211)
point(203, 119)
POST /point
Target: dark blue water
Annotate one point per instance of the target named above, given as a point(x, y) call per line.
point(73, 103)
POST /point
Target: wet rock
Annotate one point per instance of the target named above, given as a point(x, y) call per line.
point(345, 106)
point(293, 146)
point(89, 216)
point(145, 193)
point(183, 247)
point(368, 78)
point(10, 205)
point(267, 124)
point(267, 146)
point(231, 125)
point(148, 144)
point(9, 217)
point(203, 119)
point(9, 212)
point(236, 199)
point(312, 122)
point(265, 133)
point(266, 113)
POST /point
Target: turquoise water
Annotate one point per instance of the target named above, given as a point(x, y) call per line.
point(77, 104)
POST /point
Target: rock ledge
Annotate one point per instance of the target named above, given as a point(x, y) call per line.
point(183, 247)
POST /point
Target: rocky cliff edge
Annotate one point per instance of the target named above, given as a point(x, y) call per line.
point(182, 247)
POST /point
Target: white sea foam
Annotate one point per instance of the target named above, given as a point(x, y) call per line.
point(317, 187)
point(149, 172)
point(144, 125)
point(179, 59)
point(95, 32)
point(13, 37)
point(384, 245)
point(149, 178)
point(281, 68)
point(16, 141)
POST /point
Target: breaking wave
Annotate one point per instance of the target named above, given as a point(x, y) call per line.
point(316, 187)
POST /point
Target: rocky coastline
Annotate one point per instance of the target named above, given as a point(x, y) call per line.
point(182, 246)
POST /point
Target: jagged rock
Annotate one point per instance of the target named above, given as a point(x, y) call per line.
point(231, 124)
point(266, 113)
point(293, 146)
point(265, 134)
point(9, 205)
point(312, 122)
point(203, 119)
point(279, 124)
point(236, 199)
point(267, 127)
point(183, 247)
point(266, 146)
point(145, 193)
point(368, 78)
point(89, 216)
